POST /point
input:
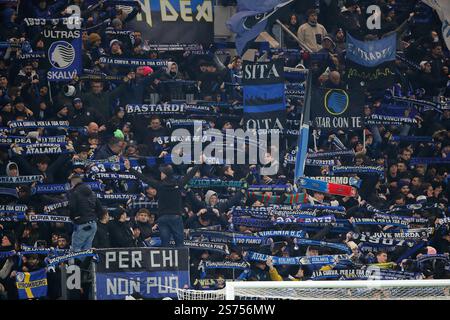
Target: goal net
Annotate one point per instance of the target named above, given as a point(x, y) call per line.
point(325, 290)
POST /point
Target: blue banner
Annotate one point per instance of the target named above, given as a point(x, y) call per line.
point(371, 53)
point(152, 272)
point(31, 284)
point(64, 54)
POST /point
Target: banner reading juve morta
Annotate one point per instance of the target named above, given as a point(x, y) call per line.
point(176, 21)
point(336, 108)
point(63, 54)
point(264, 95)
point(152, 272)
point(371, 63)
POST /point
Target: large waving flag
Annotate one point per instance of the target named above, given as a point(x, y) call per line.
point(442, 8)
point(252, 18)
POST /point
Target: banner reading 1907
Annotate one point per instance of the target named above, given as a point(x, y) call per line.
point(151, 272)
point(176, 21)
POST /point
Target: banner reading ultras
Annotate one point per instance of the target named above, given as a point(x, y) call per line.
point(264, 95)
point(152, 272)
point(63, 54)
point(189, 21)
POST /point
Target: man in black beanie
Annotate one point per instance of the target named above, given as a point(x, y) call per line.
point(170, 205)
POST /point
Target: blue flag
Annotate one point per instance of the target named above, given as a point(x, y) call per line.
point(250, 21)
point(31, 284)
point(371, 53)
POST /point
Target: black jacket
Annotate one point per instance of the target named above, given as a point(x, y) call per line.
point(83, 204)
point(121, 235)
point(102, 236)
point(169, 191)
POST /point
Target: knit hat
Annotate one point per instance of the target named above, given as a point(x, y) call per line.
point(119, 134)
point(147, 70)
point(208, 195)
point(94, 37)
point(114, 41)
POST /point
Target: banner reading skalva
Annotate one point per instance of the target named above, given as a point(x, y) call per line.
point(336, 108)
point(264, 98)
point(176, 21)
point(63, 54)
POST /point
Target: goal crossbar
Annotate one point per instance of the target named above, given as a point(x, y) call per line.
point(232, 288)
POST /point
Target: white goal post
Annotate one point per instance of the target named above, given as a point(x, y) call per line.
point(325, 290)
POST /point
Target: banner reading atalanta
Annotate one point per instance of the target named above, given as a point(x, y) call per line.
point(336, 108)
point(264, 98)
point(152, 272)
point(64, 54)
point(176, 21)
point(371, 63)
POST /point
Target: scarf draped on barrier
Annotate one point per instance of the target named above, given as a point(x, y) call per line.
point(21, 179)
point(210, 246)
point(132, 62)
point(206, 265)
point(52, 262)
point(45, 148)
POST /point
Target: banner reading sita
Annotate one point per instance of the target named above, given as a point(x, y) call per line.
point(264, 96)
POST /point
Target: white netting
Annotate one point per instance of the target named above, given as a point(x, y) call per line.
point(326, 290)
point(188, 294)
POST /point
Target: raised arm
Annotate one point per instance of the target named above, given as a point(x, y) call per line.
point(152, 182)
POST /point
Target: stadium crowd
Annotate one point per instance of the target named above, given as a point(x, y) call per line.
point(152, 199)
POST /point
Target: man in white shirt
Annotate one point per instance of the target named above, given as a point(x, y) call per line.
point(311, 32)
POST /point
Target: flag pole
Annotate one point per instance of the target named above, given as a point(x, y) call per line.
point(289, 32)
point(302, 144)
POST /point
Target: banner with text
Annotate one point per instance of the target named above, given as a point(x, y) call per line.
point(152, 272)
